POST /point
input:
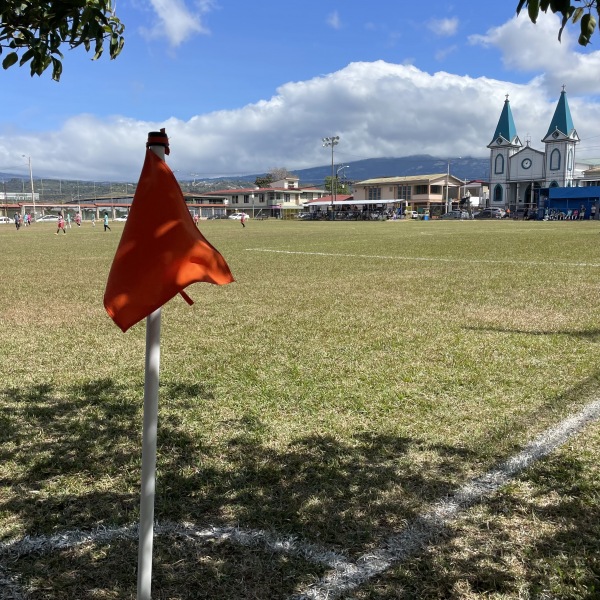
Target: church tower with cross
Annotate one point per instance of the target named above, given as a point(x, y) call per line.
point(517, 171)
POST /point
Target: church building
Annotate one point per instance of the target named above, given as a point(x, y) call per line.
point(518, 172)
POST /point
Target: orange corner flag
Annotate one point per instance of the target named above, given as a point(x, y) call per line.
point(161, 250)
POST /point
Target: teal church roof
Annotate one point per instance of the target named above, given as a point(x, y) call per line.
point(562, 117)
point(506, 125)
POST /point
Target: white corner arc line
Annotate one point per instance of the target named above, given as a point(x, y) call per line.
point(429, 525)
point(345, 575)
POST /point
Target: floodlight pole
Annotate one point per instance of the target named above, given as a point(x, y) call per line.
point(332, 141)
point(31, 182)
point(149, 436)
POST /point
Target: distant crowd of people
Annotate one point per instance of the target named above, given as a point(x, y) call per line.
point(63, 221)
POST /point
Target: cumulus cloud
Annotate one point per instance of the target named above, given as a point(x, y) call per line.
point(443, 27)
point(530, 48)
point(176, 21)
point(377, 109)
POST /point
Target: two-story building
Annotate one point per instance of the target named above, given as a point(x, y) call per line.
point(435, 193)
point(282, 199)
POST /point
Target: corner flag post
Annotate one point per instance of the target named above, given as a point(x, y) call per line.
point(149, 435)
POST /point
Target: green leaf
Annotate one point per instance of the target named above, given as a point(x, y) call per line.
point(10, 60)
point(577, 14)
point(56, 69)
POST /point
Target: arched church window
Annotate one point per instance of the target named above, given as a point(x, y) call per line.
point(555, 160)
point(570, 160)
point(499, 165)
point(554, 184)
point(498, 193)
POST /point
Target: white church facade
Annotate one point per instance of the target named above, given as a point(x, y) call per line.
point(518, 172)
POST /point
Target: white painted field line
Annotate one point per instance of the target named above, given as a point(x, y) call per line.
point(345, 575)
point(10, 551)
point(428, 526)
point(534, 263)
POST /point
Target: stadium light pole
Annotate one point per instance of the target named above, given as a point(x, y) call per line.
point(448, 184)
point(31, 181)
point(331, 141)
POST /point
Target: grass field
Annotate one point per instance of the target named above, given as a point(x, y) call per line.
point(354, 375)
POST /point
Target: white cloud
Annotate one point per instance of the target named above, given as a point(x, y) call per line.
point(535, 49)
point(377, 108)
point(443, 27)
point(176, 21)
point(333, 20)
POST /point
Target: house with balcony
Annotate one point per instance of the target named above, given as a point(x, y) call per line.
point(282, 199)
point(435, 193)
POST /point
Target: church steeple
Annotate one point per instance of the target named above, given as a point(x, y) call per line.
point(560, 142)
point(506, 132)
point(562, 123)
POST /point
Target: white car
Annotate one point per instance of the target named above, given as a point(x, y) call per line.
point(121, 219)
point(47, 219)
point(238, 216)
point(5, 220)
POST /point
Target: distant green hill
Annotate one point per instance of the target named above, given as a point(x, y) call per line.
point(55, 190)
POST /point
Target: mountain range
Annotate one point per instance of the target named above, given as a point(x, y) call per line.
point(467, 168)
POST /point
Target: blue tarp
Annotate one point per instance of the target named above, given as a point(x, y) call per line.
point(565, 199)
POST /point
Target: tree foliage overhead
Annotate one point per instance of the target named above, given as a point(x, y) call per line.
point(33, 31)
point(581, 13)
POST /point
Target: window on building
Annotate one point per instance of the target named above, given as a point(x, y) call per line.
point(286, 197)
point(261, 197)
point(498, 193)
point(555, 160)
point(271, 196)
point(234, 200)
point(246, 198)
point(421, 190)
point(436, 189)
point(405, 192)
point(570, 160)
point(373, 193)
point(499, 165)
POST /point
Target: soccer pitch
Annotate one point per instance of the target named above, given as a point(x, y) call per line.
point(317, 417)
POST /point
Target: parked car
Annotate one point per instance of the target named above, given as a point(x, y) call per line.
point(307, 216)
point(456, 214)
point(47, 219)
point(489, 213)
point(5, 220)
point(122, 219)
point(238, 215)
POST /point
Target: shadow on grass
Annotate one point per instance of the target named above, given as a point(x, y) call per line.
point(71, 460)
point(592, 335)
point(544, 544)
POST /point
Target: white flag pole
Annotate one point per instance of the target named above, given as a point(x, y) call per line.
point(149, 434)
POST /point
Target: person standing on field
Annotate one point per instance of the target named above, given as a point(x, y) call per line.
point(61, 224)
point(243, 220)
point(106, 222)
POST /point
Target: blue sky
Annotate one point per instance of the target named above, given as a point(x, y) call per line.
point(244, 87)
